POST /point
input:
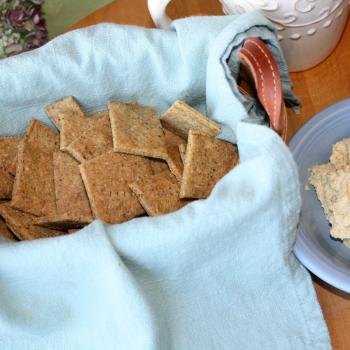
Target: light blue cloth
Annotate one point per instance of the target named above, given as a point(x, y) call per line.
point(217, 274)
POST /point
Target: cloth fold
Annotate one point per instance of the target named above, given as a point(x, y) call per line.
point(217, 274)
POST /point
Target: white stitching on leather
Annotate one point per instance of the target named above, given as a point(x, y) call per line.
point(261, 74)
point(273, 74)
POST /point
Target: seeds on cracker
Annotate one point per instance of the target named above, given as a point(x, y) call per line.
point(8, 150)
point(207, 161)
point(94, 141)
point(134, 133)
point(8, 153)
point(106, 181)
point(158, 194)
point(22, 225)
point(62, 108)
point(180, 118)
point(144, 110)
point(34, 190)
point(131, 162)
point(71, 197)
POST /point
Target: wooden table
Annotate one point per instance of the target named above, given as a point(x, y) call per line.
point(318, 88)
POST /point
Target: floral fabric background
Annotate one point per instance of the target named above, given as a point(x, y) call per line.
point(28, 24)
point(22, 26)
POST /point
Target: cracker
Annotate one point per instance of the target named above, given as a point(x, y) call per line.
point(23, 224)
point(135, 133)
point(5, 232)
point(174, 161)
point(207, 161)
point(180, 118)
point(8, 151)
point(71, 197)
point(34, 190)
point(158, 194)
point(182, 150)
point(158, 165)
point(106, 181)
point(63, 222)
point(67, 106)
point(144, 110)
point(94, 141)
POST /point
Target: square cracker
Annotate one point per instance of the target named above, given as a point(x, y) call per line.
point(8, 153)
point(106, 181)
point(34, 190)
point(158, 194)
point(94, 141)
point(136, 133)
point(67, 106)
point(207, 161)
point(180, 118)
point(23, 224)
point(63, 222)
point(71, 197)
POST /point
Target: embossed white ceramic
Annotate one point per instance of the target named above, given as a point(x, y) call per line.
point(308, 30)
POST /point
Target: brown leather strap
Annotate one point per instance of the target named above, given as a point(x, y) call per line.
point(258, 59)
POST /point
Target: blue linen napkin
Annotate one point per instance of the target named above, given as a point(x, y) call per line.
point(217, 274)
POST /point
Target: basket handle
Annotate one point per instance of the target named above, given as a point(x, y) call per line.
point(258, 59)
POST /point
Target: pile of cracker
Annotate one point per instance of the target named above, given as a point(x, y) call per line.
point(114, 165)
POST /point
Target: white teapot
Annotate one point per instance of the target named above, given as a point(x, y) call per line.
point(308, 30)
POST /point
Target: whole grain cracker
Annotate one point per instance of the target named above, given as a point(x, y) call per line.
point(207, 161)
point(63, 222)
point(106, 181)
point(144, 110)
point(61, 108)
point(71, 197)
point(34, 190)
point(180, 118)
point(158, 194)
point(94, 141)
point(8, 152)
point(182, 149)
point(135, 133)
point(23, 224)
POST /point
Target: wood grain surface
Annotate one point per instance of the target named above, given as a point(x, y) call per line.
point(318, 88)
